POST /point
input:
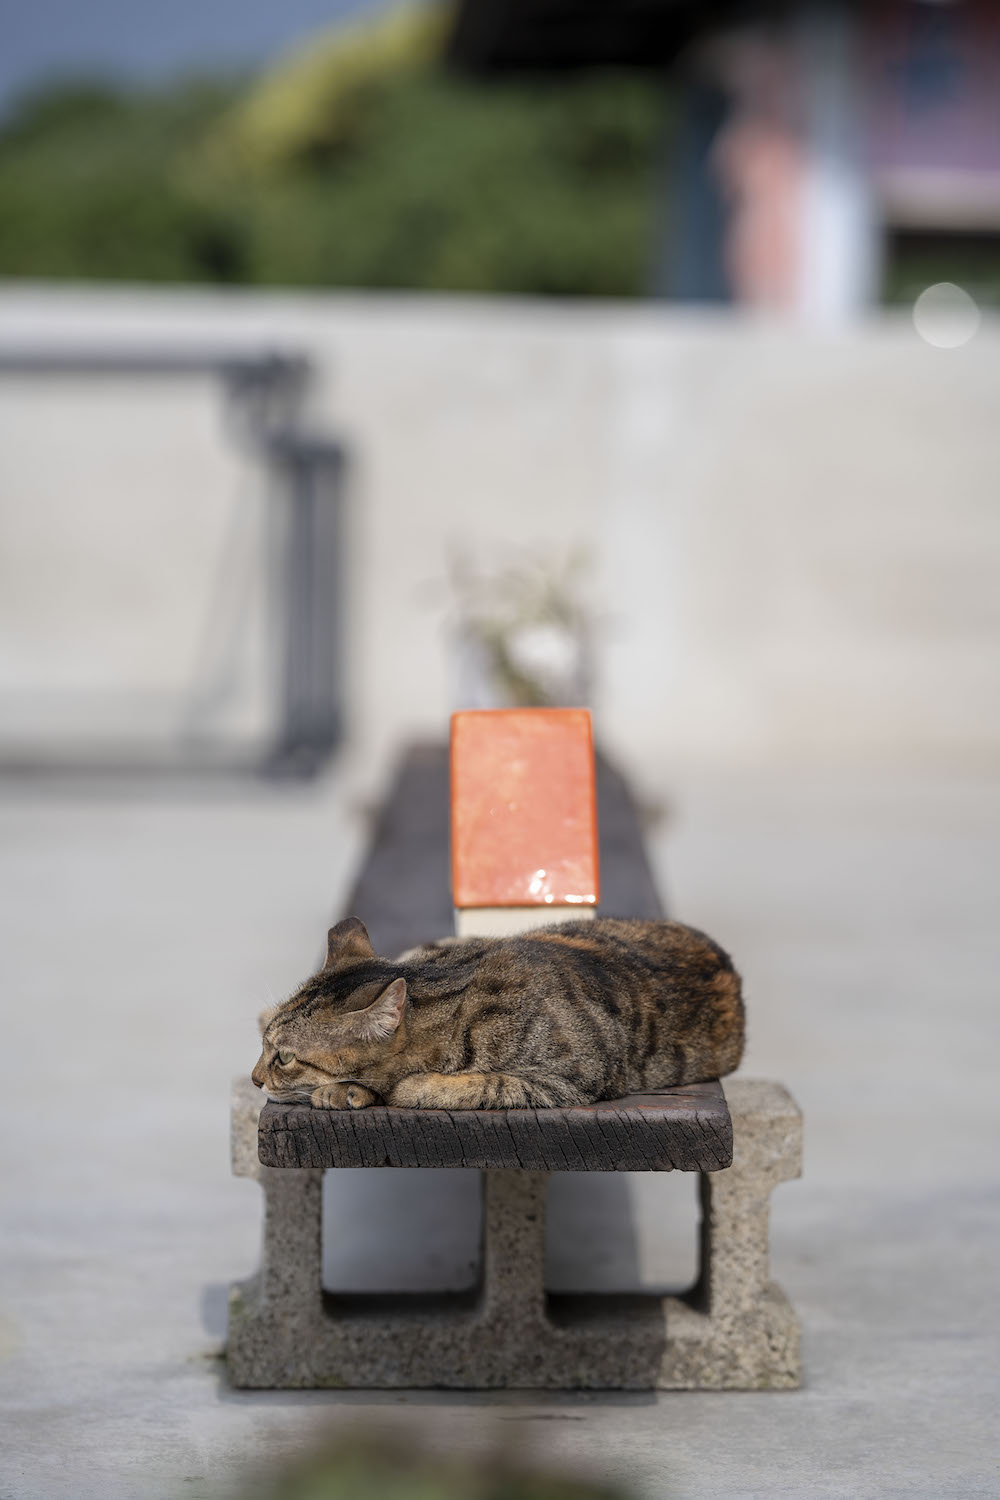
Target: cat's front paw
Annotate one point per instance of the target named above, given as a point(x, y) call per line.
point(342, 1096)
point(329, 1096)
point(413, 1092)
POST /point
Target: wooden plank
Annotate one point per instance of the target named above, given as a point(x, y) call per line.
point(402, 893)
point(627, 885)
point(684, 1129)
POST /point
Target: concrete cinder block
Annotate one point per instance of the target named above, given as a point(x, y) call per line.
point(735, 1330)
point(245, 1104)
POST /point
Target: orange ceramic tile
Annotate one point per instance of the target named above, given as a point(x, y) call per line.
point(523, 808)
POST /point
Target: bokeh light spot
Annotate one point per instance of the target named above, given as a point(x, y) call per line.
point(945, 315)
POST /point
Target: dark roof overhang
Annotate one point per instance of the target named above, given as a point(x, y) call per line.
point(538, 35)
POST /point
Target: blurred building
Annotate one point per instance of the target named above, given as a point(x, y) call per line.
point(829, 153)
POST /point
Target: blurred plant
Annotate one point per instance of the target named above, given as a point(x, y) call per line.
point(360, 161)
point(915, 260)
point(317, 101)
point(380, 1469)
point(523, 634)
point(87, 188)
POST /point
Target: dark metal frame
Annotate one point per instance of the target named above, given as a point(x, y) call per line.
point(264, 393)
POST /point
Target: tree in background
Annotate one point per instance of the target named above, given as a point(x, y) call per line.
point(358, 161)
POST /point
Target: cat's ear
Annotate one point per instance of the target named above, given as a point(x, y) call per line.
point(349, 939)
point(382, 1018)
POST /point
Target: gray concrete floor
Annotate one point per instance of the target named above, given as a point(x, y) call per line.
point(142, 934)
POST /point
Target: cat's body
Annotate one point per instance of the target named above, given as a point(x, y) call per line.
point(562, 1015)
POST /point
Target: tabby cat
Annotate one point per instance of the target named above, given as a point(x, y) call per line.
point(562, 1015)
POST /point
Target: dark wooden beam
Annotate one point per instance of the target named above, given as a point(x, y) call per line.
point(534, 35)
point(684, 1129)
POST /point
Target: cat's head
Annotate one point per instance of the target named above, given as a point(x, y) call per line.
point(339, 1025)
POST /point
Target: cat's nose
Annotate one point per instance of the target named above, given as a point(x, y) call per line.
point(257, 1076)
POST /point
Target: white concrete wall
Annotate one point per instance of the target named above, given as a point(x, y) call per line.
point(795, 536)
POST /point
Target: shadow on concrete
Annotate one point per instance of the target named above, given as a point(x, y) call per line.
point(418, 1229)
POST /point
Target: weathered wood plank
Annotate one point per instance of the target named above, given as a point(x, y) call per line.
point(686, 1130)
point(627, 885)
point(403, 889)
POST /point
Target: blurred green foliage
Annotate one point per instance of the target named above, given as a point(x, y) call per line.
point(916, 259)
point(360, 161)
point(389, 1468)
point(88, 188)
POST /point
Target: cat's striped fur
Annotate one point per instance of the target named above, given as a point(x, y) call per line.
point(562, 1015)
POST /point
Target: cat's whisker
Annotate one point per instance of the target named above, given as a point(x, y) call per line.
point(290, 1096)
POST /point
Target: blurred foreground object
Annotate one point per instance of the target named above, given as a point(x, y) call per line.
point(385, 1467)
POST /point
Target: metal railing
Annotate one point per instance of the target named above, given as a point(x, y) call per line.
point(264, 393)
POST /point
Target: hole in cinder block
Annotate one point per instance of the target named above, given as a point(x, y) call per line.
point(401, 1229)
point(622, 1231)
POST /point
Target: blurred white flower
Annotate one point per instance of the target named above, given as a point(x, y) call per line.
point(548, 653)
point(521, 635)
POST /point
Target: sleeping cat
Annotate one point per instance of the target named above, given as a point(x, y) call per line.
point(562, 1015)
